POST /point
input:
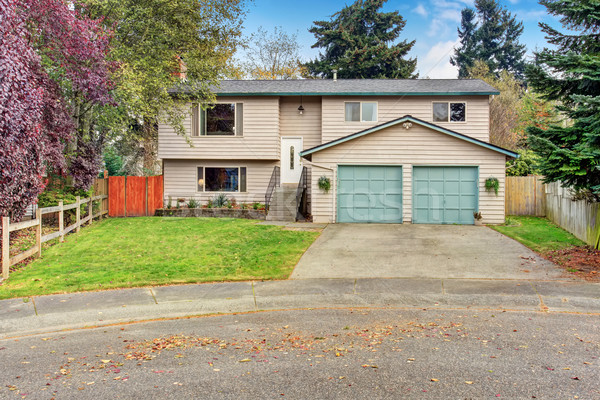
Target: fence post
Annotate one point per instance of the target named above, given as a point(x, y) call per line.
point(61, 222)
point(91, 210)
point(38, 231)
point(77, 213)
point(5, 247)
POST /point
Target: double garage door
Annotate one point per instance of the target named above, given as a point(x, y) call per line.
point(441, 195)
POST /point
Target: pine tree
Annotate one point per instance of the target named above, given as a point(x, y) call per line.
point(358, 42)
point(465, 58)
point(570, 74)
point(495, 40)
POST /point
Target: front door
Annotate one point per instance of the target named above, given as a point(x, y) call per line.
point(291, 167)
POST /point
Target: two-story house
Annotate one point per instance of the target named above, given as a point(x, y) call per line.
point(393, 151)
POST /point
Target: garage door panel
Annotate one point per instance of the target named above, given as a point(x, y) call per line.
point(370, 193)
point(452, 195)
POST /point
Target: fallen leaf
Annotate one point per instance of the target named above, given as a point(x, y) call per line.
point(469, 382)
point(245, 360)
point(434, 380)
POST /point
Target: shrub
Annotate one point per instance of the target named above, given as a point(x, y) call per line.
point(220, 201)
point(192, 203)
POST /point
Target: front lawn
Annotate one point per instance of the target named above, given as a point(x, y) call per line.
point(130, 252)
point(555, 244)
point(539, 234)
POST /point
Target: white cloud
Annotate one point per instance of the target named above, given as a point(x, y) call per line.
point(436, 63)
point(513, 1)
point(421, 10)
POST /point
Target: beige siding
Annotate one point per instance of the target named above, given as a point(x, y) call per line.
point(180, 179)
point(413, 147)
point(391, 107)
point(307, 125)
point(260, 138)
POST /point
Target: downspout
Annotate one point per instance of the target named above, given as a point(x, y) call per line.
point(334, 186)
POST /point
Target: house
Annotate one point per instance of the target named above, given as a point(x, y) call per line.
point(392, 151)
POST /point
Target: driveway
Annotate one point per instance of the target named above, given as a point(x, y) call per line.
point(420, 251)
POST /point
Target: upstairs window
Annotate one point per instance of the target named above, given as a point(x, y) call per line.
point(449, 112)
point(221, 119)
point(361, 111)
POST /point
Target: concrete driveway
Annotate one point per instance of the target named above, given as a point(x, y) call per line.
point(420, 251)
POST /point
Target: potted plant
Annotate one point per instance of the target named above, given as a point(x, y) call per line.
point(478, 218)
point(492, 183)
point(324, 183)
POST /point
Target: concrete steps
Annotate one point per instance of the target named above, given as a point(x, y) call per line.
point(283, 204)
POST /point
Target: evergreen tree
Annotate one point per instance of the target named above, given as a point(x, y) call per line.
point(465, 59)
point(360, 42)
point(570, 74)
point(494, 40)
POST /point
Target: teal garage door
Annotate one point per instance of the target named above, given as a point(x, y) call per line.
point(369, 193)
point(444, 195)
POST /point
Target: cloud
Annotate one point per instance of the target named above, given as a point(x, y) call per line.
point(421, 10)
point(513, 1)
point(436, 63)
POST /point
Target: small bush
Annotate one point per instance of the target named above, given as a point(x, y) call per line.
point(169, 203)
point(193, 203)
point(220, 201)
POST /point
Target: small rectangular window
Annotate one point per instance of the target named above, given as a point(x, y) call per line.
point(361, 111)
point(449, 112)
point(200, 179)
point(369, 112)
point(220, 120)
point(440, 112)
point(195, 120)
point(352, 112)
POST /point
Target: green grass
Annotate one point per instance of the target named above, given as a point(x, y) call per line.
point(130, 252)
point(539, 234)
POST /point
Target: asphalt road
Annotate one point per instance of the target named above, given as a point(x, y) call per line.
point(315, 353)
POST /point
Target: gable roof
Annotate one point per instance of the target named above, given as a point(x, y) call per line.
point(349, 87)
point(408, 118)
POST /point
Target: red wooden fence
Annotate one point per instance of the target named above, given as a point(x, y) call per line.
point(134, 196)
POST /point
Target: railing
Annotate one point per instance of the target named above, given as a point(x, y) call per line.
point(301, 194)
point(273, 183)
point(7, 227)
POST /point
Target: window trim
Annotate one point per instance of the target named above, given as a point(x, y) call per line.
point(449, 121)
point(360, 102)
point(202, 116)
point(239, 168)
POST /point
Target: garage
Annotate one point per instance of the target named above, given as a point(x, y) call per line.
point(444, 195)
point(369, 194)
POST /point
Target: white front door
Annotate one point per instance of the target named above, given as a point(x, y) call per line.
point(291, 167)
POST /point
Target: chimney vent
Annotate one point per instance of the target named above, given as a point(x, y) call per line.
point(335, 75)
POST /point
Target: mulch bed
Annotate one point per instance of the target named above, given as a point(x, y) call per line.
point(582, 261)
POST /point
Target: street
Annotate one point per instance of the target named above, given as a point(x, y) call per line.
point(347, 353)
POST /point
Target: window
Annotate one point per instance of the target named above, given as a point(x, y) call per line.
point(449, 112)
point(361, 111)
point(222, 119)
point(292, 157)
point(221, 179)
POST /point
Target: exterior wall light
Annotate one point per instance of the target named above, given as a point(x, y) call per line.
point(407, 125)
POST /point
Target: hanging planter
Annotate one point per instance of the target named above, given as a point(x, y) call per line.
point(324, 183)
point(492, 184)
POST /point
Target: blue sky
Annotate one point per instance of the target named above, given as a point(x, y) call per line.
point(432, 23)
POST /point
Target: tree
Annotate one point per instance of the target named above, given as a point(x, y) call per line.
point(160, 45)
point(466, 57)
point(46, 50)
point(362, 42)
point(570, 75)
point(504, 108)
point(494, 40)
point(274, 55)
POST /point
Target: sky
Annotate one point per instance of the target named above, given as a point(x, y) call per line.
point(432, 23)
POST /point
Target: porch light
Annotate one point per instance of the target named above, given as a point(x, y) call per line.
point(300, 109)
point(407, 125)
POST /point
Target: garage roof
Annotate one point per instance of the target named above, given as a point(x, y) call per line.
point(408, 118)
point(346, 87)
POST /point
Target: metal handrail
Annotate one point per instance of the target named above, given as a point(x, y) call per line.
point(273, 183)
point(301, 191)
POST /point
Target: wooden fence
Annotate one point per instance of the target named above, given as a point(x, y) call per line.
point(36, 250)
point(579, 217)
point(134, 196)
point(525, 195)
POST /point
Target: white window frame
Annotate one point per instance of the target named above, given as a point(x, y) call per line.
point(204, 118)
point(360, 111)
point(239, 168)
point(449, 121)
